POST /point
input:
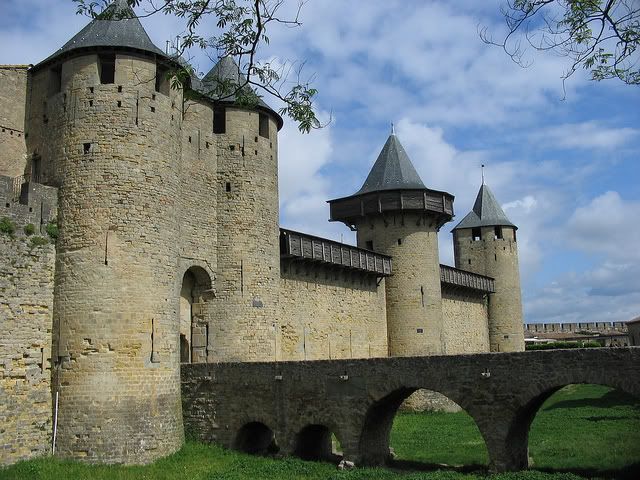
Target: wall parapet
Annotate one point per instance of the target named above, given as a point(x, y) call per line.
point(308, 247)
point(461, 278)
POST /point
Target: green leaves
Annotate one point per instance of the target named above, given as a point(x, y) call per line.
point(241, 30)
point(602, 36)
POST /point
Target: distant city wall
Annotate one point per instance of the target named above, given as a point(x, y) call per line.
point(575, 327)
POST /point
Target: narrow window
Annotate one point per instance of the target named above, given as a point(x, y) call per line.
point(399, 241)
point(56, 80)
point(162, 79)
point(263, 127)
point(86, 148)
point(35, 169)
point(469, 261)
point(227, 187)
point(498, 232)
point(476, 234)
point(107, 68)
point(219, 120)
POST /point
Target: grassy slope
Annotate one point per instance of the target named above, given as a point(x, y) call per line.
point(575, 429)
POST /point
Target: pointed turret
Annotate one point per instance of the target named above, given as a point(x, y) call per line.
point(105, 124)
point(484, 242)
point(227, 71)
point(395, 214)
point(486, 212)
point(393, 170)
point(393, 185)
point(116, 27)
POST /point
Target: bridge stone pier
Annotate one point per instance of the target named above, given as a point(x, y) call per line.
point(253, 406)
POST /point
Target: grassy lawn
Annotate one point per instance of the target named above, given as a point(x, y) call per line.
point(588, 429)
point(585, 429)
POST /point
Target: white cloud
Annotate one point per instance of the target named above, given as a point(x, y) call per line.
point(585, 135)
point(607, 225)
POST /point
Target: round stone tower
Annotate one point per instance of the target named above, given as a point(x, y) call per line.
point(485, 243)
point(395, 214)
point(244, 313)
point(106, 126)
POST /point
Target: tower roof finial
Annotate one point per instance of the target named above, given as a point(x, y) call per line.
point(482, 167)
point(393, 129)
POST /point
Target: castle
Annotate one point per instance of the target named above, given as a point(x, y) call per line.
point(169, 250)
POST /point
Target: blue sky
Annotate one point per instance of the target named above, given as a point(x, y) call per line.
point(563, 165)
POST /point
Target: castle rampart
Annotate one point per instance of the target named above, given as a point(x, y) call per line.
point(26, 304)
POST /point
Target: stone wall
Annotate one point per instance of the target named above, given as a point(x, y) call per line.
point(574, 327)
point(465, 320)
point(248, 273)
point(496, 258)
point(357, 399)
point(326, 312)
point(13, 94)
point(26, 303)
point(114, 150)
point(414, 299)
point(28, 203)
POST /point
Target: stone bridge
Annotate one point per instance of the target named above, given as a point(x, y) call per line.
point(299, 404)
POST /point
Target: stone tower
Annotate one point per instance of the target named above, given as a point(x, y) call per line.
point(244, 315)
point(395, 214)
point(485, 243)
point(104, 126)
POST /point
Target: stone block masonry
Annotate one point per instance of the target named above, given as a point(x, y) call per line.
point(13, 94)
point(328, 312)
point(26, 303)
point(357, 399)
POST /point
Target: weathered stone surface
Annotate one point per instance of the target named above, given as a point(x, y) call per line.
point(26, 303)
point(13, 94)
point(497, 258)
point(358, 399)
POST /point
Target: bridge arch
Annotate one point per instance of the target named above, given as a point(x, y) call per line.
point(517, 436)
point(314, 442)
point(255, 438)
point(378, 420)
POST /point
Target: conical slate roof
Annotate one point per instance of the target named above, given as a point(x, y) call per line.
point(117, 26)
point(486, 212)
point(228, 70)
point(393, 170)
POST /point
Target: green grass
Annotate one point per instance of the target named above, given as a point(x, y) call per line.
point(589, 429)
point(585, 429)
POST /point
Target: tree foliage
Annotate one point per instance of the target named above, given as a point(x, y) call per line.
point(239, 31)
point(602, 36)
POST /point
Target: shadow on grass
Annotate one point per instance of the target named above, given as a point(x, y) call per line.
point(415, 466)
point(630, 472)
point(613, 398)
